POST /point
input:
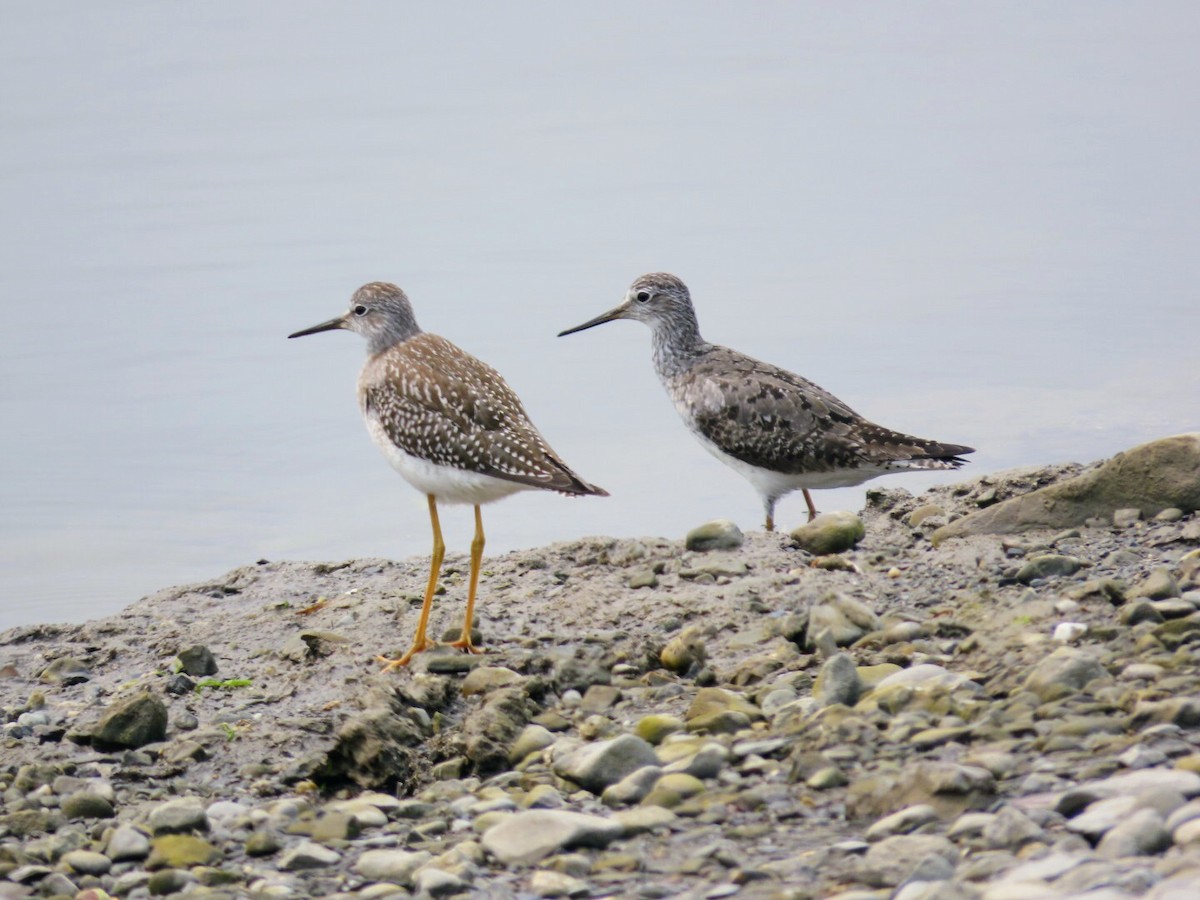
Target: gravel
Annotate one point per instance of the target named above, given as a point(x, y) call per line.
point(984, 716)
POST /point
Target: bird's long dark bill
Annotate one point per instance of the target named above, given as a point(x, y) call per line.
point(339, 322)
point(618, 313)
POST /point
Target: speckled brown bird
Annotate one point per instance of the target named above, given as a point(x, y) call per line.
point(449, 424)
point(779, 431)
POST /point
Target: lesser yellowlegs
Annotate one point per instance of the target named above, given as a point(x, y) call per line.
point(449, 424)
point(778, 430)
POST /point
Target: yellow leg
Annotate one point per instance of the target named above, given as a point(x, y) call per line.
point(420, 641)
point(812, 510)
point(464, 642)
point(309, 610)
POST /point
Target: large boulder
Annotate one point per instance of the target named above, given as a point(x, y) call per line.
point(1151, 477)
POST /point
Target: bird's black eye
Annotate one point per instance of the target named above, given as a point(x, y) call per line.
point(643, 296)
point(360, 310)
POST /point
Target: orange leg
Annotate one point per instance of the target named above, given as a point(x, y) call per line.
point(309, 610)
point(464, 642)
point(420, 641)
point(812, 510)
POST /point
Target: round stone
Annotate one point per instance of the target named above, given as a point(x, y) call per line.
point(87, 862)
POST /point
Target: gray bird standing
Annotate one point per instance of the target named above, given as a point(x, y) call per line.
point(779, 431)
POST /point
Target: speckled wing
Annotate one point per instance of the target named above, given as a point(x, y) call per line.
point(774, 419)
point(438, 403)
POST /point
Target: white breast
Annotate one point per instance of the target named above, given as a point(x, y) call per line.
point(446, 483)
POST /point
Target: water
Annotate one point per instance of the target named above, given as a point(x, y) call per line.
point(975, 223)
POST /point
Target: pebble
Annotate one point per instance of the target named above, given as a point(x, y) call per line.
point(178, 816)
point(991, 749)
point(197, 661)
point(66, 670)
point(432, 882)
point(1160, 584)
point(1141, 833)
point(1048, 565)
point(891, 860)
point(87, 805)
point(654, 729)
point(837, 682)
point(685, 650)
point(546, 883)
point(706, 762)
point(1010, 829)
point(532, 739)
point(131, 723)
point(529, 836)
point(844, 619)
point(834, 532)
point(181, 851)
point(672, 789)
point(633, 787)
point(643, 818)
point(308, 855)
point(717, 710)
point(127, 843)
point(904, 821)
point(87, 862)
point(1064, 672)
point(719, 534)
point(1069, 632)
point(484, 679)
point(596, 766)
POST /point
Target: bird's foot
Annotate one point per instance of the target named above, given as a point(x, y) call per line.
point(309, 610)
point(465, 645)
point(395, 665)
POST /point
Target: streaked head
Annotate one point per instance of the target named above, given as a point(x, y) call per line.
point(658, 299)
point(379, 311)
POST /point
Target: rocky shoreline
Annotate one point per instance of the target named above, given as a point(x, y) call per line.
point(910, 707)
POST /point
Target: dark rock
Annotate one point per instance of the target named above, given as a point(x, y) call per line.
point(1047, 566)
point(180, 685)
point(133, 723)
point(837, 682)
point(375, 749)
point(1141, 611)
point(197, 661)
point(169, 881)
point(488, 735)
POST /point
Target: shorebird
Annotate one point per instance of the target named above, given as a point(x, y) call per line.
point(779, 431)
point(449, 424)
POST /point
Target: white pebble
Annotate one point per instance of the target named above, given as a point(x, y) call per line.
point(1069, 632)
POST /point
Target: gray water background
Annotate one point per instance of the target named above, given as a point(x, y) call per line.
point(973, 222)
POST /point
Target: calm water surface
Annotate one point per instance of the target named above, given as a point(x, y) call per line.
point(977, 223)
